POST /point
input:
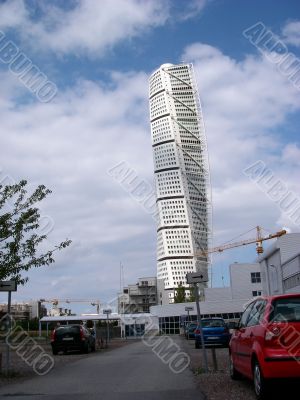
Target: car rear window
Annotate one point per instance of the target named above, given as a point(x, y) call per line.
point(191, 326)
point(212, 323)
point(287, 309)
point(62, 330)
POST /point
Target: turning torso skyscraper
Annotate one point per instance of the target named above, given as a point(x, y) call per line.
point(181, 175)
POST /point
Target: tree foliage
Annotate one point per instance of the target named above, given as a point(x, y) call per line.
point(180, 294)
point(192, 296)
point(19, 237)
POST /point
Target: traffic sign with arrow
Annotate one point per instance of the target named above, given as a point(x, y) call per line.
point(197, 277)
point(8, 286)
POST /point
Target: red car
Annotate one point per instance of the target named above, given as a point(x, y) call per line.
point(266, 341)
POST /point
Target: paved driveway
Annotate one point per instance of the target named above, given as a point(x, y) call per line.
point(131, 372)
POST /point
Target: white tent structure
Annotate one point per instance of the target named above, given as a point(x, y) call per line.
point(134, 320)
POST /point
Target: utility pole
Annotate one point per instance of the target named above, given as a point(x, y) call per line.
point(195, 278)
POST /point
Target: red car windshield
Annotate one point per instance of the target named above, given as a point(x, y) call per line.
point(286, 310)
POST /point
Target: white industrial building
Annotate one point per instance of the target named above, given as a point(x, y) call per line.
point(181, 175)
point(224, 302)
point(280, 265)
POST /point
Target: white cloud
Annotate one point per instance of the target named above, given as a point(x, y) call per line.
point(244, 104)
point(69, 145)
point(291, 154)
point(192, 9)
point(291, 33)
point(13, 14)
point(90, 27)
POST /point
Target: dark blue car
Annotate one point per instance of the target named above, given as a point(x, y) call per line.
point(190, 329)
point(215, 332)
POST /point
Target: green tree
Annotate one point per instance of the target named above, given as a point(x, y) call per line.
point(19, 236)
point(192, 296)
point(180, 294)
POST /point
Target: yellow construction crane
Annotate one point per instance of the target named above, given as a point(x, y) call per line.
point(258, 240)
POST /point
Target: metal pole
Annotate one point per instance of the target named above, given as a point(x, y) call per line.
point(188, 333)
point(214, 357)
point(107, 331)
point(95, 330)
point(9, 329)
point(199, 322)
point(38, 317)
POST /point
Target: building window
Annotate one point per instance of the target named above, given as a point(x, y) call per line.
point(255, 277)
point(256, 293)
point(292, 282)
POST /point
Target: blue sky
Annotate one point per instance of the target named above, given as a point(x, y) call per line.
point(99, 54)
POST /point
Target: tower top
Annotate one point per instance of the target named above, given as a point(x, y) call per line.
point(166, 65)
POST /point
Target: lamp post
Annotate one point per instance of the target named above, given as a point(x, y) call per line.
point(97, 304)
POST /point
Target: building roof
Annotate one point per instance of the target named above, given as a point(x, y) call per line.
point(94, 317)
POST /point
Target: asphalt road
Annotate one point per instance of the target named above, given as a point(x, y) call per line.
point(132, 372)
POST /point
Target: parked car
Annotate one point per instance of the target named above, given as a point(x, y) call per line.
point(72, 337)
point(190, 330)
point(266, 343)
point(215, 333)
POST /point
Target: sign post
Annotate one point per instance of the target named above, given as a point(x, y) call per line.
point(194, 278)
point(8, 286)
point(107, 312)
point(188, 309)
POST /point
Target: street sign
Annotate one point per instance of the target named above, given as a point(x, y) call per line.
point(8, 286)
point(107, 311)
point(197, 277)
point(189, 308)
